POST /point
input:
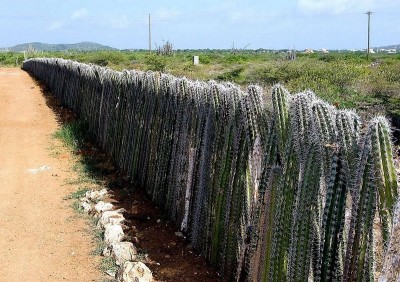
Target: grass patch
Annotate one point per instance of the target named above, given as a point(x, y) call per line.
point(98, 236)
point(77, 194)
point(108, 264)
point(234, 75)
point(82, 180)
point(76, 206)
point(88, 170)
point(142, 255)
point(73, 134)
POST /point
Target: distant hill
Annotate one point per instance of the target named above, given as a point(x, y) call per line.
point(82, 46)
point(397, 47)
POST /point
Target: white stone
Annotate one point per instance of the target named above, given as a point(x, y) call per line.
point(37, 170)
point(113, 234)
point(107, 251)
point(134, 272)
point(111, 217)
point(102, 207)
point(196, 60)
point(95, 195)
point(87, 208)
point(179, 234)
point(111, 273)
point(122, 252)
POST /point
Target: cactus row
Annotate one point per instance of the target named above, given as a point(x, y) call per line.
point(286, 191)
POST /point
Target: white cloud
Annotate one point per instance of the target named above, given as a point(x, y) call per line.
point(79, 14)
point(334, 6)
point(76, 15)
point(55, 25)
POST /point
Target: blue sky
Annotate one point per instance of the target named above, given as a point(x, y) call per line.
point(272, 24)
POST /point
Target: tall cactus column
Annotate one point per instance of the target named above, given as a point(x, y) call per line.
point(376, 182)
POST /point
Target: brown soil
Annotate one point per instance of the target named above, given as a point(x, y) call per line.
point(41, 237)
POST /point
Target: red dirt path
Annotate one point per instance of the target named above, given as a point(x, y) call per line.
point(41, 238)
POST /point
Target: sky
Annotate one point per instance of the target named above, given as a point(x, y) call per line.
point(269, 24)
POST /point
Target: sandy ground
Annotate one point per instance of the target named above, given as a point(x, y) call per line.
point(41, 238)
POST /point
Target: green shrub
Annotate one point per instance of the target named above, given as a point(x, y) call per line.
point(156, 63)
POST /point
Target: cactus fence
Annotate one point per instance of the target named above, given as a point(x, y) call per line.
point(268, 187)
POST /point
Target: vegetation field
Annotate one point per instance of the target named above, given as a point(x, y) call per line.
point(347, 80)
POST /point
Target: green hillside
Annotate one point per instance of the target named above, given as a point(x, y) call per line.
point(38, 46)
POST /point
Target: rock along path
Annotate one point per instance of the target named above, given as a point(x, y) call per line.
point(41, 238)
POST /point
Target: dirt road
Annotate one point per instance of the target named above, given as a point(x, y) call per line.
point(41, 238)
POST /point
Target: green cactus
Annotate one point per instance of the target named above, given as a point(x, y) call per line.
point(377, 186)
point(280, 100)
point(305, 212)
point(386, 177)
point(280, 192)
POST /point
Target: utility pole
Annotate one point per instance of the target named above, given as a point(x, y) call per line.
point(369, 31)
point(149, 34)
